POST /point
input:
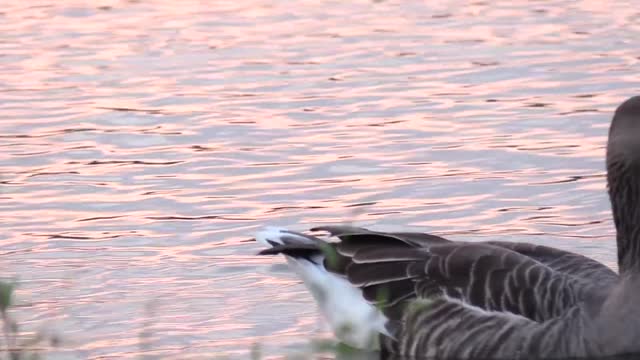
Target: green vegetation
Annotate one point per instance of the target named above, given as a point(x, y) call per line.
point(18, 346)
point(316, 349)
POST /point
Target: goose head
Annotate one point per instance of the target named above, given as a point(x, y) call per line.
point(623, 178)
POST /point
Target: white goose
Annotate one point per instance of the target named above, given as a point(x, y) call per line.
point(420, 295)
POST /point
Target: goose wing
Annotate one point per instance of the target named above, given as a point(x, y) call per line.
point(393, 269)
point(559, 260)
point(564, 261)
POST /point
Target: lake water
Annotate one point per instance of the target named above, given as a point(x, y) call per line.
point(143, 141)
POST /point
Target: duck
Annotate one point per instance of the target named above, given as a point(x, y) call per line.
point(418, 295)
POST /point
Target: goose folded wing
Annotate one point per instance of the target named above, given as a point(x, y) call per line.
point(563, 261)
point(465, 300)
point(559, 260)
point(523, 279)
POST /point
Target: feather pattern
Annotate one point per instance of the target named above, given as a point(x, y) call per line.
point(500, 300)
point(481, 274)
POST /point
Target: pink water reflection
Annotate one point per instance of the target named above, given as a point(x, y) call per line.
point(143, 142)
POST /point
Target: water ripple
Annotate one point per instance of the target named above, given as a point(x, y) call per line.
point(147, 140)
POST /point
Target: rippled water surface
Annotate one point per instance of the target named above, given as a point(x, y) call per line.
point(143, 141)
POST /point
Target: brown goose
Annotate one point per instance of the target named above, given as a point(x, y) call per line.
point(420, 295)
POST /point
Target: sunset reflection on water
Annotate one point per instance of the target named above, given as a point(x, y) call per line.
point(144, 141)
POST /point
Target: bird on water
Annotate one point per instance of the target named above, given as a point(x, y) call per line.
point(419, 295)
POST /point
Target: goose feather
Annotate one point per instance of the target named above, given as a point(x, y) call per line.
point(426, 296)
